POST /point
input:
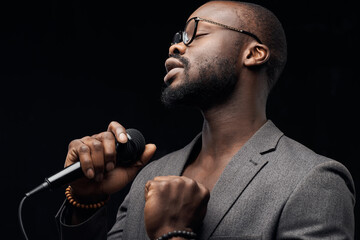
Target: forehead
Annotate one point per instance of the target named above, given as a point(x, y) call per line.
point(223, 12)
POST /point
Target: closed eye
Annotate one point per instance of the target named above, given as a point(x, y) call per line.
point(199, 35)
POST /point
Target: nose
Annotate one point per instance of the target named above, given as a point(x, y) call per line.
point(178, 48)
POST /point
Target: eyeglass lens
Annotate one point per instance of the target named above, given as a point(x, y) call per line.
point(189, 31)
point(177, 38)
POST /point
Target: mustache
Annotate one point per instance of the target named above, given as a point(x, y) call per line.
point(182, 59)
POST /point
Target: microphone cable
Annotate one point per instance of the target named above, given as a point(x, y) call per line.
point(20, 217)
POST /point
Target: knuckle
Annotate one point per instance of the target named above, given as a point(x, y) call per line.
point(107, 136)
point(84, 149)
point(112, 124)
point(85, 139)
point(162, 186)
point(205, 193)
point(149, 183)
point(97, 145)
point(190, 182)
point(157, 178)
point(155, 185)
point(178, 181)
point(194, 186)
point(73, 143)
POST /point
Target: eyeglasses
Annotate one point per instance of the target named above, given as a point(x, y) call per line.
point(189, 33)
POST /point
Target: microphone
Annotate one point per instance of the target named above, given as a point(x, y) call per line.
point(126, 154)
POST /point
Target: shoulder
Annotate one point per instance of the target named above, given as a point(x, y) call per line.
point(291, 164)
point(311, 168)
point(316, 192)
point(323, 195)
point(295, 156)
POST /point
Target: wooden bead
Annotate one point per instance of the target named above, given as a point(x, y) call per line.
point(73, 202)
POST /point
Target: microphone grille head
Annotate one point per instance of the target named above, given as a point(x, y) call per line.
point(131, 151)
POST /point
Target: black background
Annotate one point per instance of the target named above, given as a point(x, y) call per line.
point(68, 68)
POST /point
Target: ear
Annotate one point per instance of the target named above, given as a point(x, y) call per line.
point(256, 54)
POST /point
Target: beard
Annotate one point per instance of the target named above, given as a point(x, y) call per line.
point(214, 84)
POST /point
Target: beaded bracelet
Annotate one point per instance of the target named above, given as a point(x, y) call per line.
point(72, 201)
point(183, 234)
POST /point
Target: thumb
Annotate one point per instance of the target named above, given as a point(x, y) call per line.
point(149, 151)
point(119, 177)
point(144, 159)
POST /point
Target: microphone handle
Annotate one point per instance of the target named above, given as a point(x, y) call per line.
point(68, 174)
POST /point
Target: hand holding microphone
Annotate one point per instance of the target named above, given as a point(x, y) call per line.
point(98, 166)
point(98, 159)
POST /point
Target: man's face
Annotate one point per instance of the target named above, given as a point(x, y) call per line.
point(204, 73)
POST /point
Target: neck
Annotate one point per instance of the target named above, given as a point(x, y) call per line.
point(225, 133)
point(227, 127)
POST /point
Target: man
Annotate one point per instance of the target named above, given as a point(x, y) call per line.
point(241, 178)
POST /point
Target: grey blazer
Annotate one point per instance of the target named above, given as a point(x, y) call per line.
point(273, 188)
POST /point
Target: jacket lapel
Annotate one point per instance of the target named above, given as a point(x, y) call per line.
point(238, 174)
point(175, 166)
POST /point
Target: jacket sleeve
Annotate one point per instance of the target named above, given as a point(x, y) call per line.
point(321, 206)
point(95, 228)
point(117, 230)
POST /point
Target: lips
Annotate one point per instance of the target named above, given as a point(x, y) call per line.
point(172, 63)
point(173, 67)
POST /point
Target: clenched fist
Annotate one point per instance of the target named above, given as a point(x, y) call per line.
point(174, 203)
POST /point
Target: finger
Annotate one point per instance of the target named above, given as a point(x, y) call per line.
point(148, 153)
point(78, 151)
point(159, 184)
point(109, 149)
point(204, 191)
point(162, 188)
point(72, 154)
point(96, 155)
point(84, 154)
point(119, 131)
point(150, 189)
point(147, 188)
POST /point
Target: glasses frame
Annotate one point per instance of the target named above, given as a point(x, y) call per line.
point(180, 36)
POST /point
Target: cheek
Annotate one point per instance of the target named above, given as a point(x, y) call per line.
point(204, 53)
point(197, 66)
point(211, 62)
point(201, 59)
